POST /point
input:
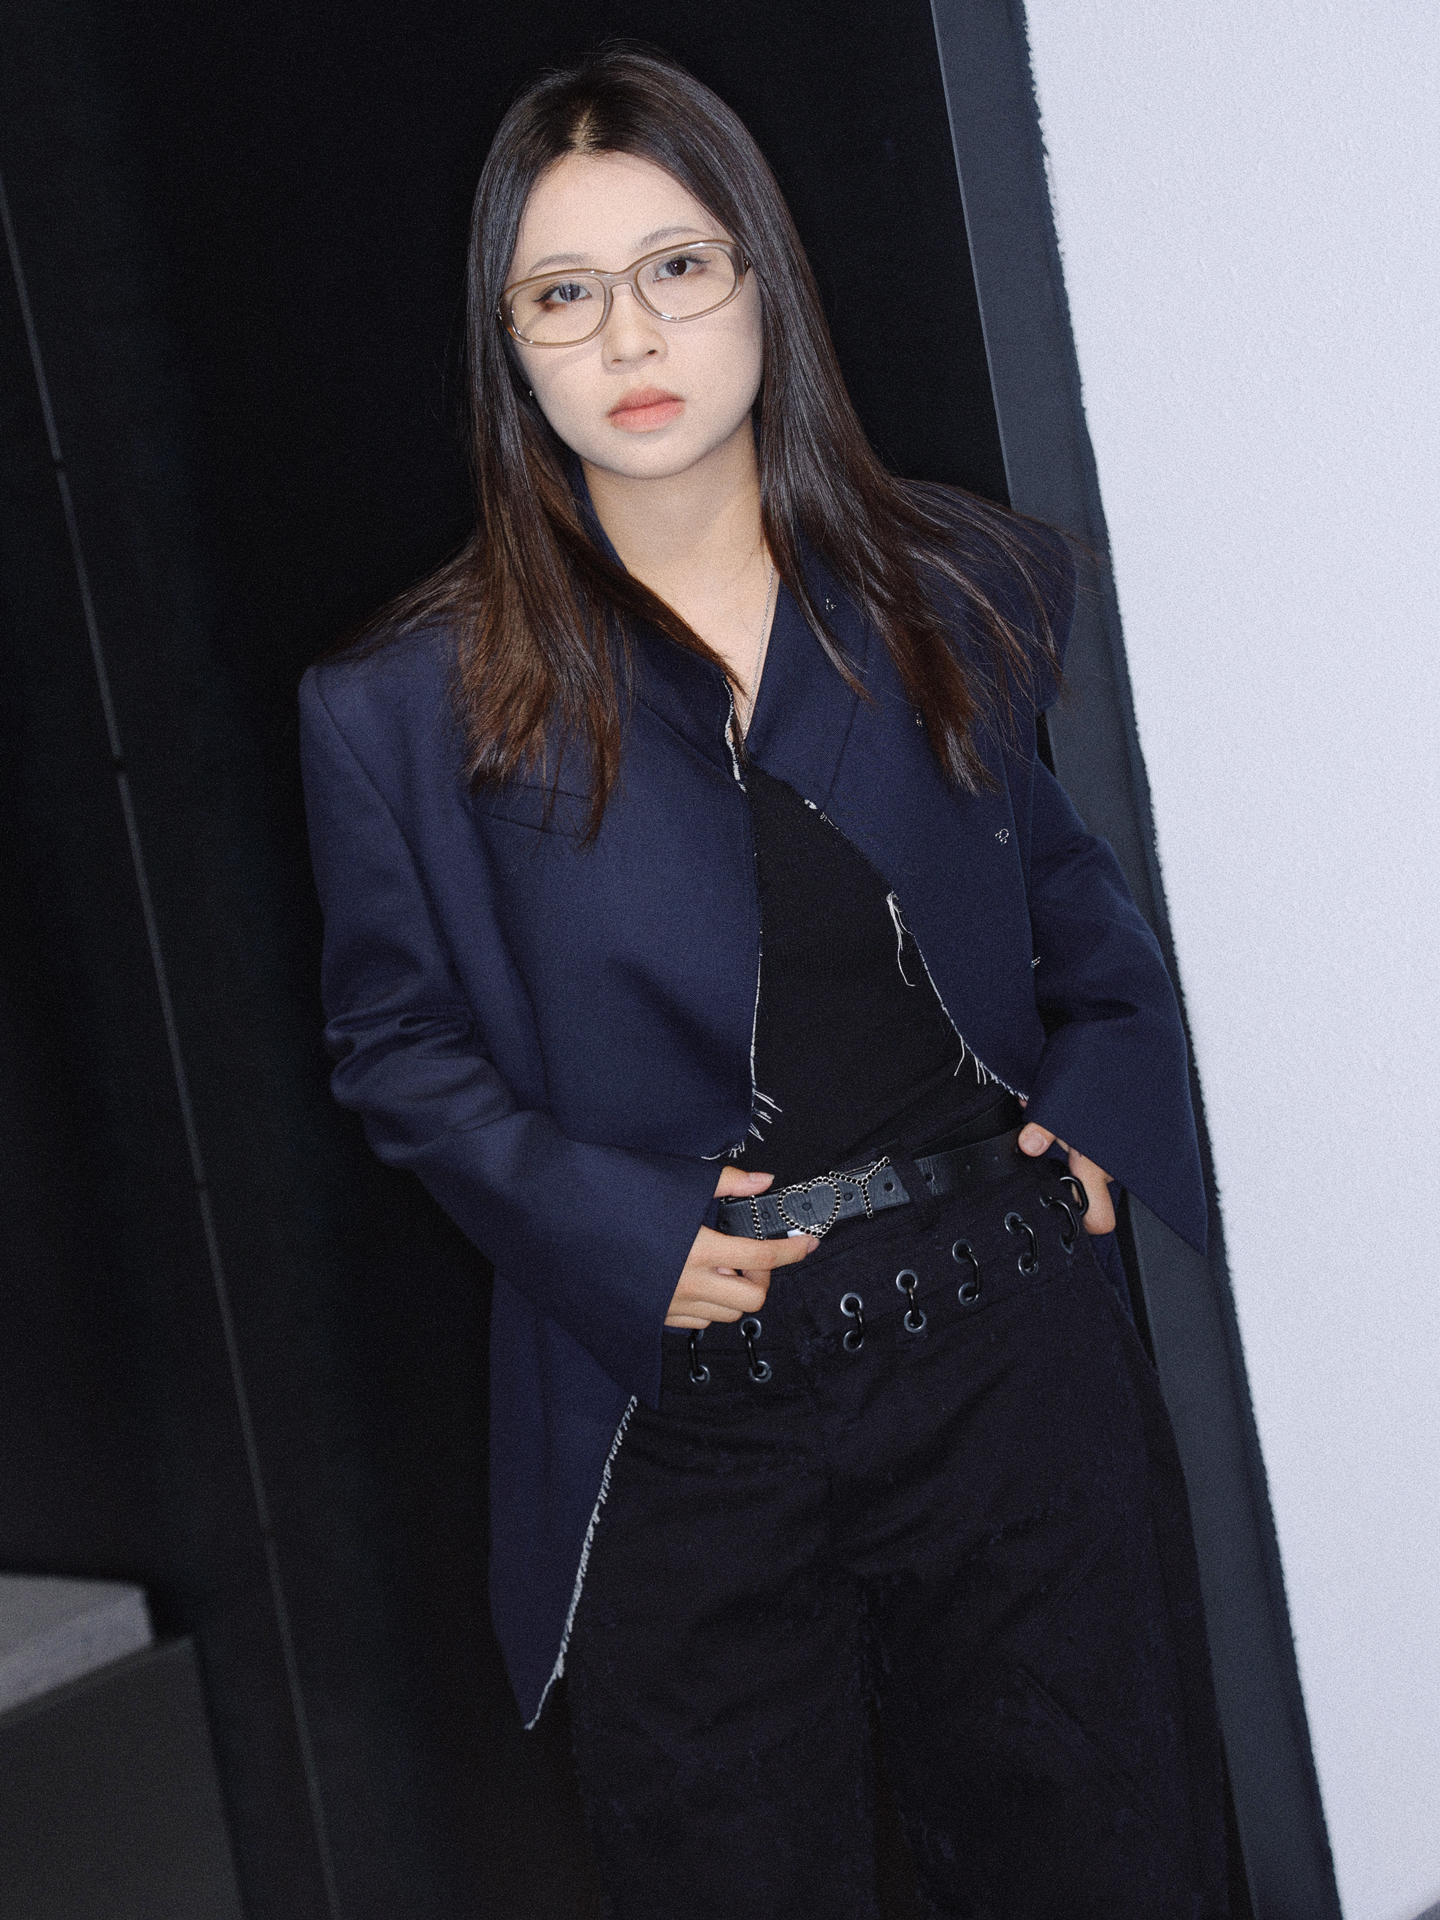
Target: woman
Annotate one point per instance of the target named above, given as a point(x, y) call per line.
point(808, 1393)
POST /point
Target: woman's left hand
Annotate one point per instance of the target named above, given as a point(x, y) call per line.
point(1100, 1214)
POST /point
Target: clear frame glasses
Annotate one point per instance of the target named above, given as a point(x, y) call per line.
point(564, 308)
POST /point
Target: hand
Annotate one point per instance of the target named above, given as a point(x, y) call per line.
point(1100, 1214)
point(712, 1287)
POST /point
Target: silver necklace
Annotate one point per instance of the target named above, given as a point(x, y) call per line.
point(762, 640)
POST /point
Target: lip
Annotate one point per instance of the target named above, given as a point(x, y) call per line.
point(646, 409)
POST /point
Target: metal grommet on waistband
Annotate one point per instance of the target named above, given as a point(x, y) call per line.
point(760, 1370)
point(1029, 1260)
point(906, 1281)
point(853, 1308)
point(969, 1289)
point(699, 1372)
point(1070, 1232)
point(1077, 1192)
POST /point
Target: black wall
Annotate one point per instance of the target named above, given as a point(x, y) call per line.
point(239, 1362)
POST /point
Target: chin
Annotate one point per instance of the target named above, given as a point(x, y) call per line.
point(649, 456)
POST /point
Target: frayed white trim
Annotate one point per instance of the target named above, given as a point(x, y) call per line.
point(730, 726)
point(982, 1072)
point(755, 1094)
point(901, 930)
point(559, 1666)
point(735, 1152)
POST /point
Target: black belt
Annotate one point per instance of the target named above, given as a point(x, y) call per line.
point(814, 1206)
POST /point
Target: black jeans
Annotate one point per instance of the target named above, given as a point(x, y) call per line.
point(977, 1524)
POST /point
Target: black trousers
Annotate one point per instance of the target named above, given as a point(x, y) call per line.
point(968, 1517)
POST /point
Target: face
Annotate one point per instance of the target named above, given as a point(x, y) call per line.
point(646, 398)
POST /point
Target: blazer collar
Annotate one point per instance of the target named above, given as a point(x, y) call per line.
point(804, 713)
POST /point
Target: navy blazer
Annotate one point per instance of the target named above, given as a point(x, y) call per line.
point(557, 1038)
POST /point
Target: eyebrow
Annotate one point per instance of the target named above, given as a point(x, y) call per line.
point(645, 243)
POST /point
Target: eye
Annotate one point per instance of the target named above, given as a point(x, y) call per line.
point(564, 293)
point(680, 266)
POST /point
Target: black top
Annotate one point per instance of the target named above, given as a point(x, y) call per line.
point(853, 1050)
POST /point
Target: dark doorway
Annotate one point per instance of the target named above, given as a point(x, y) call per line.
point(242, 1364)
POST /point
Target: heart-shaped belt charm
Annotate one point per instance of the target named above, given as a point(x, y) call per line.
point(802, 1198)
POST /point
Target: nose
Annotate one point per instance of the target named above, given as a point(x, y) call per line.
point(631, 333)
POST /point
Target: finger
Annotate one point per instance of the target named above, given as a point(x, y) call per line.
point(1100, 1213)
point(1035, 1139)
point(733, 1183)
point(736, 1253)
point(727, 1284)
point(716, 1297)
point(757, 1256)
point(708, 1313)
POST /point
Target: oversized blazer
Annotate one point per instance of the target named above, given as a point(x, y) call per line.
point(557, 1038)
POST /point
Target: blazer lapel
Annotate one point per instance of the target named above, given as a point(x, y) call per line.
point(805, 711)
point(687, 694)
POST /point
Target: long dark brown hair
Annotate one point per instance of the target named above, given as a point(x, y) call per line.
point(543, 617)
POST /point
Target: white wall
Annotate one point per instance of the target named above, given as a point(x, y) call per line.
point(1246, 193)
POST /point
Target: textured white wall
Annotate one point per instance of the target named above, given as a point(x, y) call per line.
point(1246, 193)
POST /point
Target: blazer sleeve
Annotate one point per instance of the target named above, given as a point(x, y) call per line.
point(594, 1236)
point(1113, 1079)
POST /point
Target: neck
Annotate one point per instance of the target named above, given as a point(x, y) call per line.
point(692, 537)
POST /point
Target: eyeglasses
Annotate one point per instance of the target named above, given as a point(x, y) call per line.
point(680, 283)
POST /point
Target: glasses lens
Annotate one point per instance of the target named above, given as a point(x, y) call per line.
point(551, 312)
point(693, 280)
point(677, 286)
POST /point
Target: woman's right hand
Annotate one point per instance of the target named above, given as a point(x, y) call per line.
point(711, 1286)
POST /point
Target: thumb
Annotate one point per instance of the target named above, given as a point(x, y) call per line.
point(1035, 1139)
point(734, 1183)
